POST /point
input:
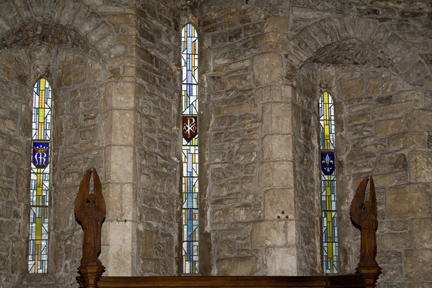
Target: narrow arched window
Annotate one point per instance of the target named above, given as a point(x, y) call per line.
point(40, 178)
point(190, 149)
point(328, 184)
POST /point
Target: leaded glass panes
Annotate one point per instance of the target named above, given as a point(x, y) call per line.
point(328, 185)
point(190, 149)
point(40, 181)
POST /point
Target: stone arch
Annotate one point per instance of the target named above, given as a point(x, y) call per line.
point(70, 23)
point(353, 34)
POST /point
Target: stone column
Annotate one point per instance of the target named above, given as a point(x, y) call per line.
point(119, 229)
point(276, 233)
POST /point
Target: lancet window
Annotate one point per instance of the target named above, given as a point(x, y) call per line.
point(328, 184)
point(190, 149)
point(40, 178)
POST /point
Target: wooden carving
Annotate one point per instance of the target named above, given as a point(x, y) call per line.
point(90, 210)
point(364, 214)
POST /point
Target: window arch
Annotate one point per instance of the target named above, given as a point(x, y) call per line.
point(190, 191)
point(40, 178)
point(328, 184)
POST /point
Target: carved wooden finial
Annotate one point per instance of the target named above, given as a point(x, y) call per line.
point(364, 214)
point(90, 211)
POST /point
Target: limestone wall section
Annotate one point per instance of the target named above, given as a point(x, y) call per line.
point(115, 71)
point(158, 151)
point(250, 189)
point(307, 178)
point(388, 141)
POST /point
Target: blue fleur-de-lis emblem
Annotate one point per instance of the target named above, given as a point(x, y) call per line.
point(327, 163)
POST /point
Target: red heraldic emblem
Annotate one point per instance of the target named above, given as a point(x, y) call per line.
point(190, 127)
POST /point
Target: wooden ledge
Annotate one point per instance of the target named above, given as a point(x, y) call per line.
point(351, 280)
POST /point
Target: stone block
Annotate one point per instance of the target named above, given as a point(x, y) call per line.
point(276, 118)
point(128, 202)
point(277, 147)
point(64, 77)
point(218, 190)
point(237, 82)
point(238, 266)
point(422, 233)
point(414, 95)
point(226, 121)
point(400, 107)
point(222, 215)
point(279, 204)
point(281, 261)
point(401, 225)
point(79, 74)
point(147, 243)
point(268, 69)
point(119, 156)
point(359, 118)
point(419, 120)
point(122, 18)
point(4, 246)
point(373, 87)
point(384, 180)
point(242, 213)
point(122, 132)
point(390, 126)
point(8, 126)
point(231, 20)
point(268, 94)
point(112, 196)
point(417, 265)
point(276, 175)
point(276, 24)
point(268, 233)
point(387, 163)
point(287, 93)
point(412, 200)
point(396, 240)
point(235, 109)
point(119, 249)
point(389, 257)
point(263, 38)
point(408, 140)
point(420, 166)
point(7, 227)
point(353, 88)
point(291, 232)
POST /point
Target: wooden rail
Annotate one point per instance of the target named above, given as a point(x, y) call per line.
point(352, 280)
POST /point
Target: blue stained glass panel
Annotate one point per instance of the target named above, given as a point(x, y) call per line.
point(40, 180)
point(190, 152)
point(328, 184)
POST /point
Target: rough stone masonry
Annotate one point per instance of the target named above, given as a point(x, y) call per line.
point(115, 70)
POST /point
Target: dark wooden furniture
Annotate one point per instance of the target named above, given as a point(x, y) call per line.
point(352, 280)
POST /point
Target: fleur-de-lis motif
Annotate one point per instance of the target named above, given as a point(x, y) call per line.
point(327, 164)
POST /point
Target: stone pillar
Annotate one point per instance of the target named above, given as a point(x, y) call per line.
point(119, 230)
point(276, 233)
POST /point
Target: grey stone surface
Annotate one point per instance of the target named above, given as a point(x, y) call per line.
point(115, 71)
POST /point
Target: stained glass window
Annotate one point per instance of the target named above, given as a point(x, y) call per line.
point(190, 149)
point(39, 181)
point(328, 184)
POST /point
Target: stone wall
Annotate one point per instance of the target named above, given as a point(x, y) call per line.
point(305, 147)
point(75, 146)
point(157, 98)
point(114, 66)
point(254, 197)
